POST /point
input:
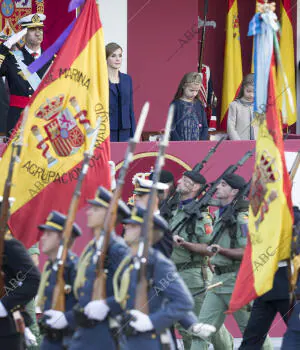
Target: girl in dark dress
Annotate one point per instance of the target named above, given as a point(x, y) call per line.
point(190, 122)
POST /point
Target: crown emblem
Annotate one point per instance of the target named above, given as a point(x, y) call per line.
point(268, 170)
point(36, 18)
point(51, 108)
point(50, 216)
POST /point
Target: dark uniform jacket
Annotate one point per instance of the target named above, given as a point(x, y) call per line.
point(69, 277)
point(21, 282)
point(18, 85)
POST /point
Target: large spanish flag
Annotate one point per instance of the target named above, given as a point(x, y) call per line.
point(286, 85)
point(270, 214)
point(233, 71)
point(62, 120)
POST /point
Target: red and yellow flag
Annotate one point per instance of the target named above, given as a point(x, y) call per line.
point(271, 214)
point(233, 71)
point(62, 121)
point(285, 97)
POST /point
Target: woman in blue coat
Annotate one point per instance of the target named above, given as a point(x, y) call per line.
point(121, 114)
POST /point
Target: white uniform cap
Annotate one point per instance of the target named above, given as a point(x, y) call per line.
point(33, 20)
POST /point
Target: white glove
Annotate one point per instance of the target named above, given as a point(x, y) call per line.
point(112, 167)
point(30, 338)
point(3, 312)
point(141, 322)
point(202, 330)
point(96, 310)
point(57, 319)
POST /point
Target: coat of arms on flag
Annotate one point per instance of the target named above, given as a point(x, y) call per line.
point(61, 128)
point(13, 10)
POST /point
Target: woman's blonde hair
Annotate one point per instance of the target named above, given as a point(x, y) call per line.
point(111, 48)
point(188, 78)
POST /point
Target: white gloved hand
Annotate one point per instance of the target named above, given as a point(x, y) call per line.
point(57, 319)
point(141, 322)
point(202, 330)
point(96, 310)
point(112, 167)
point(30, 338)
point(3, 312)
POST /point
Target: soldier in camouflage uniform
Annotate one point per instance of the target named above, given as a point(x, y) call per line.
point(226, 260)
point(191, 235)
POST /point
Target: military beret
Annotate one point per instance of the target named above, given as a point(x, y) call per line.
point(103, 198)
point(235, 181)
point(137, 217)
point(165, 177)
point(56, 222)
point(195, 176)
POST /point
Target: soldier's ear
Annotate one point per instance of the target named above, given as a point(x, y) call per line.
point(235, 191)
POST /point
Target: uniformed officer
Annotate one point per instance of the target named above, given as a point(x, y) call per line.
point(190, 232)
point(93, 325)
point(227, 259)
point(291, 338)
point(58, 329)
point(13, 65)
point(142, 189)
point(168, 298)
point(21, 279)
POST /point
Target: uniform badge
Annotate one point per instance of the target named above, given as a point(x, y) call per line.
point(208, 229)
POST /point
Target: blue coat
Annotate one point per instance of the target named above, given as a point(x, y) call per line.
point(69, 277)
point(125, 123)
point(179, 120)
point(91, 338)
point(169, 300)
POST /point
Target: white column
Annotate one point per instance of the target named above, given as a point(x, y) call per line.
point(297, 68)
point(113, 15)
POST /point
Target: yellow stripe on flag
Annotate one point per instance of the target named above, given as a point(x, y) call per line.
point(270, 215)
point(288, 63)
point(54, 147)
point(233, 72)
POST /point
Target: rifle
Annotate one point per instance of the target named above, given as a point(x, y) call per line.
point(4, 213)
point(171, 203)
point(295, 167)
point(200, 60)
point(198, 167)
point(204, 201)
point(228, 217)
point(102, 242)
point(203, 290)
point(58, 297)
point(146, 239)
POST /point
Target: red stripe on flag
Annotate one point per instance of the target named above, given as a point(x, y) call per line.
point(287, 6)
point(230, 3)
point(75, 43)
point(244, 290)
point(274, 124)
point(36, 210)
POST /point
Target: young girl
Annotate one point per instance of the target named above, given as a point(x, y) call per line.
point(240, 113)
point(190, 122)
